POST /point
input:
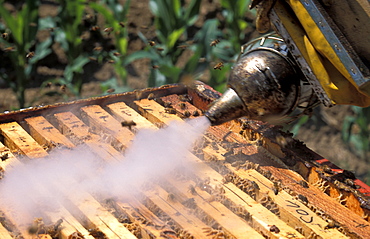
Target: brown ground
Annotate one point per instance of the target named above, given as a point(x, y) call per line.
point(323, 137)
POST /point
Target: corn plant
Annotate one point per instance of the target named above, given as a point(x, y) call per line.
point(67, 32)
point(18, 44)
point(356, 131)
point(173, 21)
point(115, 16)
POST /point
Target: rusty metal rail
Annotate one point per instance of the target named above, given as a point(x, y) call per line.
point(249, 180)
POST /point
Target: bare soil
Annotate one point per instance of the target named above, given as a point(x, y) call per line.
point(322, 136)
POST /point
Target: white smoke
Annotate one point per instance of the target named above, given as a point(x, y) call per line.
point(41, 185)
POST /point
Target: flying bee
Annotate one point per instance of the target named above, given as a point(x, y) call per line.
point(182, 46)
point(63, 87)
point(122, 24)
point(30, 55)
point(93, 58)
point(32, 24)
point(160, 49)
point(10, 48)
point(151, 43)
point(144, 27)
point(108, 29)
point(218, 66)
point(98, 48)
point(111, 90)
point(48, 85)
point(201, 60)
point(128, 123)
point(214, 42)
point(116, 53)
point(111, 61)
point(95, 28)
point(155, 66)
point(5, 35)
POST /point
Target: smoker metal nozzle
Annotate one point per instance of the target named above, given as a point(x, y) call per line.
point(226, 108)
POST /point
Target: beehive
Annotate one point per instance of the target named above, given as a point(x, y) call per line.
point(252, 180)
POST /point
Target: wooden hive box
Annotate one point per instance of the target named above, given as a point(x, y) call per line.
point(252, 180)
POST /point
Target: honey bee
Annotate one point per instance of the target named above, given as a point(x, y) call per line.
point(170, 111)
point(192, 190)
point(155, 66)
point(98, 48)
point(276, 188)
point(303, 183)
point(167, 105)
point(95, 28)
point(111, 61)
point(63, 87)
point(182, 105)
point(92, 58)
point(111, 90)
point(30, 55)
point(160, 49)
point(88, 17)
point(128, 124)
point(49, 84)
point(185, 98)
point(187, 113)
point(214, 42)
point(151, 43)
point(116, 53)
point(201, 60)
point(331, 224)
point(122, 24)
point(144, 27)
point(32, 24)
point(171, 197)
point(4, 157)
point(9, 49)
point(108, 29)
point(182, 46)
point(276, 46)
point(218, 66)
point(274, 229)
point(195, 113)
point(5, 35)
point(51, 29)
point(151, 96)
point(303, 198)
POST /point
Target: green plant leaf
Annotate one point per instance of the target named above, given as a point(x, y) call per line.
point(172, 73)
point(174, 36)
point(12, 23)
point(140, 55)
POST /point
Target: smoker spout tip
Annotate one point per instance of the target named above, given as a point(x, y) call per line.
point(226, 108)
point(211, 119)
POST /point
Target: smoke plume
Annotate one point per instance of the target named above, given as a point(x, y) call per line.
point(38, 186)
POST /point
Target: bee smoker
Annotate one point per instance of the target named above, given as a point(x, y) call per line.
point(265, 84)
